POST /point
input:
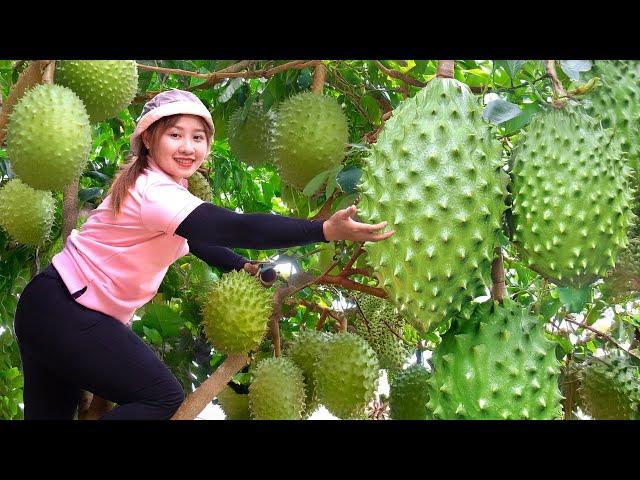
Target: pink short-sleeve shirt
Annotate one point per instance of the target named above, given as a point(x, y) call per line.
point(122, 262)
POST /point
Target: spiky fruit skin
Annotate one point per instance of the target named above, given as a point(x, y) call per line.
point(496, 365)
point(277, 390)
point(235, 313)
point(377, 328)
point(234, 405)
point(48, 137)
point(434, 175)
point(623, 282)
point(25, 213)
point(610, 389)
point(310, 135)
point(304, 351)
point(347, 375)
point(199, 186)
point(571, 198)
point(105, 86)
point(616, 103)
point(409, 394)
point(251, 138)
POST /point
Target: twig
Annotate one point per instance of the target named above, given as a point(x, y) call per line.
point(499, 288)
point(601, 334)
point(399, 75)
point(558, 89)
point(319, 77)
point(323, 318)
point(173, 71)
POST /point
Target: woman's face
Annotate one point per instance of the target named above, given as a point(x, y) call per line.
point(180, 150)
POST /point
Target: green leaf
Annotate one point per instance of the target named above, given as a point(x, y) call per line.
point(564, 343)
point(517, 123)
point(316, 182)
point(574, 298)
point(572, 68)
point(550, 307)
point(153, 335)
point(500, 111)
point(349, 178)
point(345, 201)
point(511, 66)
point(89, 193)
point(163, 319)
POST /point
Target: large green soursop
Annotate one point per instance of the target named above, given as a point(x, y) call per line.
point(25, 213)
point(571, 198)
point(610, 388)
point(409, 394)
point(105, 86)
point(235, 313)
point(49, 137)
point(305, 350)
point(277, 390)
point(251, 135)
point(616, 103)
point(375, 320)
point(346, 375)
point(435, 175)
point(496, 365)
point(310, 136)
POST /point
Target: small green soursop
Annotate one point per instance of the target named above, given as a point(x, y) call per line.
point(199, 186)
point(234, 405)
point(310, 136)
point(235, 313)
point(375, 320)
point(346, 375)
point(610, 388)
point(409, 394)
point(623, 282)
point(616, 102)
point(48, 137)
point(435, 175)
point(251, 135)
point(496, 365)
point(105, 86)
point(305, 350)
point(25, 213)
point(571, 198)
point(277, 390)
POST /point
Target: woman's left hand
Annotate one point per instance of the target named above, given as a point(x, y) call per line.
point(340, 226)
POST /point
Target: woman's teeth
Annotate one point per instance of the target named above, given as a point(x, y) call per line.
point(184, 163)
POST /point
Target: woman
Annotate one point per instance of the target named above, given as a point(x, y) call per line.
point(72, 318)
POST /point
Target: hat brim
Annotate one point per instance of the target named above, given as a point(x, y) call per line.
point(173, 108)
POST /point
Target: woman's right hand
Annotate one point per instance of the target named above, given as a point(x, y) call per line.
point(340, 226)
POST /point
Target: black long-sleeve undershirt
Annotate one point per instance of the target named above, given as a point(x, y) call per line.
point(210, 226)
point(221, 257)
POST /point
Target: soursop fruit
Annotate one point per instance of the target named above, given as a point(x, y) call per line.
point(346, 375)
point(496, 365)
point(623, 282)
point(251, 137)
point(199, 186)
point(277, 390)
point(409, 394)
point(571, 198)
point(610, 388)
point(25, 213)
point(305, 350)
point(236, 312)
point(435, 175)
point(105, 86)
point(616, 102)
point(234, 405)
point(375, 320)
point(310, 136)
point(48, 137)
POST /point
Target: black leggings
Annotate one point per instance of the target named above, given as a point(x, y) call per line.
point(66, 347)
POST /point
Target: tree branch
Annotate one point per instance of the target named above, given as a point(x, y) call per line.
point(319, 77)
point(210, 388)
point(445, 69)
point(399, 75)
point(499, 288)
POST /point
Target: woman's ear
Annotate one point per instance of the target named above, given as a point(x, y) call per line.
point(146, 141)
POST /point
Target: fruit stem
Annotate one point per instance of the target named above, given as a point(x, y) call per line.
point(445, 68)
point(499, 289)
point(558, 88)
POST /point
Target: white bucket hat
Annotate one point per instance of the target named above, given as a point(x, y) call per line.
point(171, 102)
